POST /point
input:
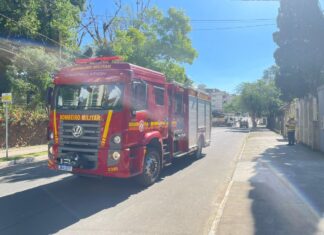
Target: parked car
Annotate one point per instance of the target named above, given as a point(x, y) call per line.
point(244, 123)
point(230, 121)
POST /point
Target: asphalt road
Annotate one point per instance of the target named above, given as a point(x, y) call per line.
point(35, 200)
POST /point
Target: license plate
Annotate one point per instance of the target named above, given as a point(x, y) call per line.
point(65, 168)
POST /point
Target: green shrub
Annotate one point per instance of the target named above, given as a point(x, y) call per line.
point(22, 116)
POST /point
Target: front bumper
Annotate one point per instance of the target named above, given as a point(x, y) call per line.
point(129, 164)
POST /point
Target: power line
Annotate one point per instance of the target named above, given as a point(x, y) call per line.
point(226, 28)
point(235, 21)
point(104, 17)
point(194, 20)
point(230, 20)
point(236, 27)
point(42, 35)
point(8, 51)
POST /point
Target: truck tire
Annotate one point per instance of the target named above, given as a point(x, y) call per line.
point(151, 168)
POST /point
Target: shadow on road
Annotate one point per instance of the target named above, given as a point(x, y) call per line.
point(26, 172)
point(288, 191)
point(283, 140)
point(49, 208)
point(238, 130)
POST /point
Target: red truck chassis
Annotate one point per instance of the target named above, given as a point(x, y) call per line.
point(117, 119)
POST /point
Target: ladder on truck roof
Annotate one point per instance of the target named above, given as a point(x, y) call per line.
point(98, 59)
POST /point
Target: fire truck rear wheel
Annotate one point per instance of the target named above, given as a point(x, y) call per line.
point(151, 168)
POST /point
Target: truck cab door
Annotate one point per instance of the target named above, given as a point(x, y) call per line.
point(138, 104)
point(158, 110)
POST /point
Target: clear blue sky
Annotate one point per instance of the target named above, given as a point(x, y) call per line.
point(227, 57)
point(230, 56)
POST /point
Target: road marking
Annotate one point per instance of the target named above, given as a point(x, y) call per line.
point(222, 205)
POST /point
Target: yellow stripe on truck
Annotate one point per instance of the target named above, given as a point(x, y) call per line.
point(106, 130)
point(55, 127)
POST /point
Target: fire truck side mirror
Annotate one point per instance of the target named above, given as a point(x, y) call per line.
point(133, 112)
point(49, 93)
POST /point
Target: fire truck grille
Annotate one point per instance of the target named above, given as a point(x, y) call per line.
point(86, 145)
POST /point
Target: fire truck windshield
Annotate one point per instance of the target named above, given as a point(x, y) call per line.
point(107, 96)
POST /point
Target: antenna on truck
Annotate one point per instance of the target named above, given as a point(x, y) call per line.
point(98, 59)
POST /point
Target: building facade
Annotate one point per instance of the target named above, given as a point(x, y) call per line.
point(219, 99)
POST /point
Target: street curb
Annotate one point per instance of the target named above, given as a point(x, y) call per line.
point(23, 161)
point(220, 209)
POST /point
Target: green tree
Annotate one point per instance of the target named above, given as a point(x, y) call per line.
point(5, 85)
point(30, 76)
point(271, 73)
point(19, 18)
point(147, 38)
point(300, 55)
point(259, 98)
point(49, 22)
point(59, 21)
point(234, 106)
point(160, 42)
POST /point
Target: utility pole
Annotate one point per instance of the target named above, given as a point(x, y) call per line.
point(7, 134)
point(6, 100)
point(60, 47)
point(137, 6)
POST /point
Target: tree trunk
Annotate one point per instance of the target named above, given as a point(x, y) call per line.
point(254, 122)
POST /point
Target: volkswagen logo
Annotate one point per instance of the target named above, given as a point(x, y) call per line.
point(77, 131)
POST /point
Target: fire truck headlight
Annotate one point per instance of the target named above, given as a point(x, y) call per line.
point(117, 139)
point(115, 156)
point(50, 150)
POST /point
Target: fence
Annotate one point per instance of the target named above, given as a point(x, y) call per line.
point(321, 117)
point(307, 122)
point(26, 127)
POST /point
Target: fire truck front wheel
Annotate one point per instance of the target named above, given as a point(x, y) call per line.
point(151, 168)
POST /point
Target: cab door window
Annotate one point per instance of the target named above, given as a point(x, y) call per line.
point(139, 95)
point(178, 107)
point(159, 95)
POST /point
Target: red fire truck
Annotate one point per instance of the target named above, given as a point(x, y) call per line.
point(116, 119)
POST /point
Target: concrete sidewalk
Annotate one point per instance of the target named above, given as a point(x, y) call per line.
point(13, 152)
point(276, 189)
point(23, 150)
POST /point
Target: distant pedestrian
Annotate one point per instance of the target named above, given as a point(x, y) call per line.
point(291, 127)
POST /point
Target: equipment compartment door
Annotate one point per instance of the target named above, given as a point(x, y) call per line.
point(193, 121)
point(178, 125)
point(208, 121)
